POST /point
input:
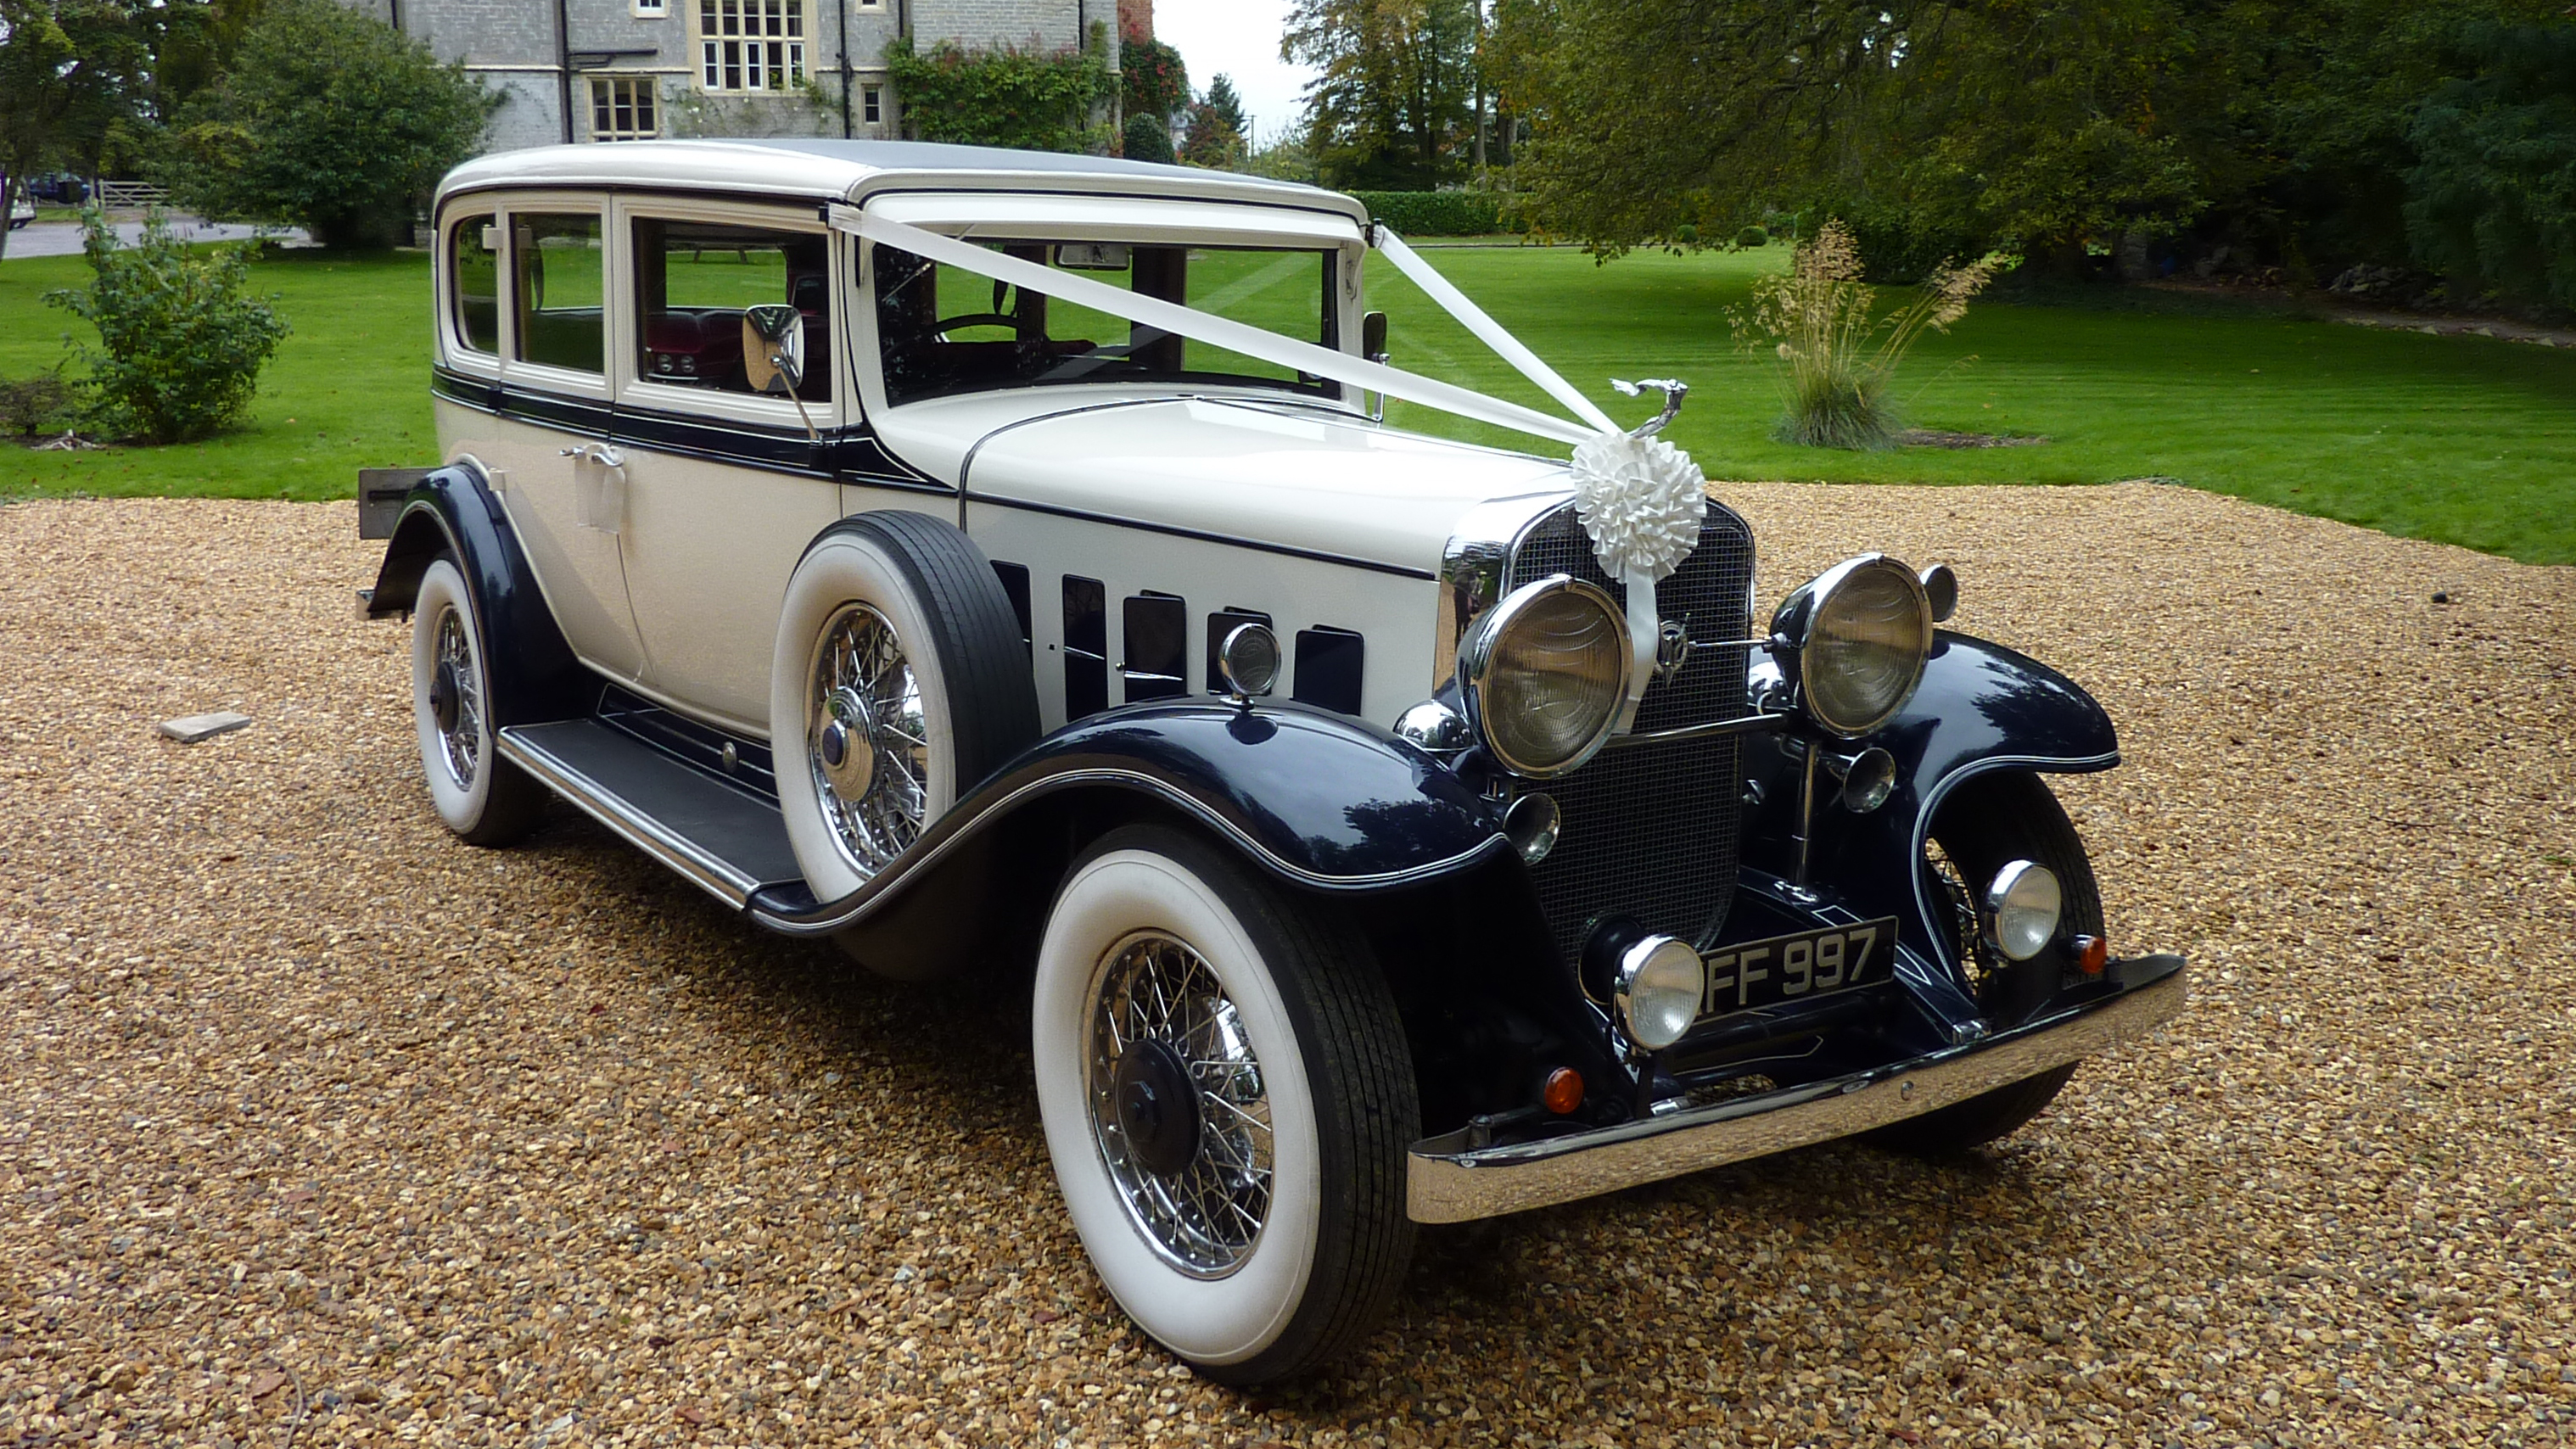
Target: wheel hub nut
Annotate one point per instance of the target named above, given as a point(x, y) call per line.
point(442, 698)
point(845, 744)
point(1157, 1107)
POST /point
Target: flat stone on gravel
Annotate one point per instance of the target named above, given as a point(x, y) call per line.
point(316, 1123)
point(191, 728)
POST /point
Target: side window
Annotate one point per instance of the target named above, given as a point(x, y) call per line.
point(693, 280)
point(560, 284)
point(474, 281)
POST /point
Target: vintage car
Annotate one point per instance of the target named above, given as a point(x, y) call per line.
point(998, 564)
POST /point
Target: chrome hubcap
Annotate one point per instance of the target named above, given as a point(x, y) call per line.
point(1178, 1105)
point(455, 703)
point(867, 744)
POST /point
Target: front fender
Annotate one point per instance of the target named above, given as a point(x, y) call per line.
point(1980, 708)
point(535, 677)
point(1318, 799)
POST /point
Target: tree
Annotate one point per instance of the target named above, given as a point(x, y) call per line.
point(1146, 140)
point(1213, 129)
point(329, 120)
point(1222, 99)
point(1393, 104)
point(35, 92)
point(2494, 189)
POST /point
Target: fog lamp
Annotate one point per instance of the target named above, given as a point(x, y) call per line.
point(1658, 990)
point(2023, 905)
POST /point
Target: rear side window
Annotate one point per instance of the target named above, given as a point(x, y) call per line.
point(560, 284)
point(474, 282)
point(692, 281)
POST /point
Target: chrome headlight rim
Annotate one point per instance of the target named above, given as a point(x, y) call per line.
point(1659, 987)
point(1475, 665)
point(1794, 624)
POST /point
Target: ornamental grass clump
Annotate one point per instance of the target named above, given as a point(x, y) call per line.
point(1841, 358)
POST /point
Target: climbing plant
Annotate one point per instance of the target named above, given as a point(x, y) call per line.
point(1030, 99)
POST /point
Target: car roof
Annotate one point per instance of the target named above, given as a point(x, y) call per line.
point(831, 169)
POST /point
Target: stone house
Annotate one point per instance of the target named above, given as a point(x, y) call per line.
point(621, 70)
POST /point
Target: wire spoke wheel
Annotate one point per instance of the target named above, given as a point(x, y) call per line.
point(1179, 1108)
point(456, 700)
point(867, 744)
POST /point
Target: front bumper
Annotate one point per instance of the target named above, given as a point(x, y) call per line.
point(1450, 1182)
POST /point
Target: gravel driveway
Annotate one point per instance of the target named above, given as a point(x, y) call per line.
point(317, 1125)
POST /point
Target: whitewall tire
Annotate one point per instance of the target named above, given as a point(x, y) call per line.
point(898, 682)
point(483, 798)
point(1228, 1101)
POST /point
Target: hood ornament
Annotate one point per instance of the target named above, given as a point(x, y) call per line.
point(1673, 389)
point(1641, 501)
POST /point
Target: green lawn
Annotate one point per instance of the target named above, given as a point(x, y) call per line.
point(2460, 439)
point(349, 390)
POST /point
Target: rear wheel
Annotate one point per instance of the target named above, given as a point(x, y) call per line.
point(1983, 826)
point(1228, 1102)
point(485, 799)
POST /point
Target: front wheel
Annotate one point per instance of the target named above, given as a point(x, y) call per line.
point(1982, 826)
point(1228, 1102)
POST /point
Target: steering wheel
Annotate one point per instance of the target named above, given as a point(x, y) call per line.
point(946, 325)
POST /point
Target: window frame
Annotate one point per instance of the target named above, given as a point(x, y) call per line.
point(538, 376)
point(651, 9)
point(461, 353)
point(795, 40)
point(652, 86)
point(638, 389)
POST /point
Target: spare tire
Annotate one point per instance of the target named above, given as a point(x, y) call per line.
point(899, 682)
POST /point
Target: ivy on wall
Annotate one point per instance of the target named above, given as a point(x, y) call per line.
point(1152, 79)
point(1029, 99)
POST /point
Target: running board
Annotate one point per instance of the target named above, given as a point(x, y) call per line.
point(725, 841)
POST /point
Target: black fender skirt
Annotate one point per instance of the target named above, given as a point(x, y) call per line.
point(1319, 800)
point(535, 678)
point(1981, 708)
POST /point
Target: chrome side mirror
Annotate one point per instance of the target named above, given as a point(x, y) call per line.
point(773, 348)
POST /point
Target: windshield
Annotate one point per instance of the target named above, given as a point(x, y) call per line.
point(946, 330)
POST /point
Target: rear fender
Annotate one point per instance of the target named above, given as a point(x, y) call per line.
point(535, 677)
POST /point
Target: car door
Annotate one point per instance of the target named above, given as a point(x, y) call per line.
point(724, 484)
point(550, 437)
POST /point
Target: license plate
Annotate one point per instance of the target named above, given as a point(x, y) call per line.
point(1800, 967)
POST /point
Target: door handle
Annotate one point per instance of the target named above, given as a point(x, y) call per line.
point(600, 453)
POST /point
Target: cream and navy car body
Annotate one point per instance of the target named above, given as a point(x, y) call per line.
point(985, 631)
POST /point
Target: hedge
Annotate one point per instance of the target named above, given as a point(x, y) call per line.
point(1439, 213)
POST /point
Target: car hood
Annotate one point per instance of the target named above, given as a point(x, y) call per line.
point(1313, 479)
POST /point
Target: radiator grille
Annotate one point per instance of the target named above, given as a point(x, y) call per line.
point(1651, 830)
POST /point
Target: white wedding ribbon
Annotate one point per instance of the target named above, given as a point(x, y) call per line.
point(1488, 331)
point(1644, 628)
point(1216, 331)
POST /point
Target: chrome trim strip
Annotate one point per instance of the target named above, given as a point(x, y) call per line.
point(1445, 1185)
point(1743, 724)
point(850, 908)
point(633, 826)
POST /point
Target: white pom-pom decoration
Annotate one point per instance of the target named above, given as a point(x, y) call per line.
point(1641, 501)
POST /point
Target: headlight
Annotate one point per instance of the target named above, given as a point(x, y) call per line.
point(1660, 985)
point(1862, 630)
point(2023, 903)
point(1545, 672)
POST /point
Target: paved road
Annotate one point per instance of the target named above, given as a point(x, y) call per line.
point(63, 238)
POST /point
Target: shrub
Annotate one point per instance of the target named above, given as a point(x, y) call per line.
point(1752, 238)
point(1032, 100)
point(38, 404)
point(1687, 234)
point(1437, 213)
point(328, 120)
point(1901, 246)
point(1147, 140)
point(181, 338)
point(1840, 361)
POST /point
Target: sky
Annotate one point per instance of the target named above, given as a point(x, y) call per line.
point(1238, 39)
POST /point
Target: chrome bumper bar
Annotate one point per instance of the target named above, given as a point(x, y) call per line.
point(1449, 1182)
